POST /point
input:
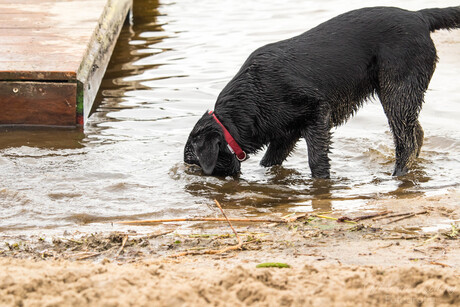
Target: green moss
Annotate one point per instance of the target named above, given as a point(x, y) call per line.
point(273, 265)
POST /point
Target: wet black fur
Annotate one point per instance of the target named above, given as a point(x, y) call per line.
point(303, 86)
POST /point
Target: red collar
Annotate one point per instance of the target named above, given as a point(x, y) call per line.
point(232, 144)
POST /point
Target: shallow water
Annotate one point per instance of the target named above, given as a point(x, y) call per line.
point(169, 65)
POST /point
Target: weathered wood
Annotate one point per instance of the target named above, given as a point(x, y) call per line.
point(55, 41)
point(67, 25)
point(38, 103)
point(98, 54)
point(21, 72)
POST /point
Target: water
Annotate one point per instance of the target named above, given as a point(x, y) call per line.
point(169, 65)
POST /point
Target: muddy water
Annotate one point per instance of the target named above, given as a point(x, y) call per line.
point(167, 69)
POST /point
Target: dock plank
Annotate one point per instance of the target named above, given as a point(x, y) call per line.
point(60, 18)
point(38, 103)
point(55, 41)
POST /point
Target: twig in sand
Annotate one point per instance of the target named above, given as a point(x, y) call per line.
point(123, 242)
point(201, 219)
point(88, 256)
point(390, 216)
point(333, 218)
point(401, 218)
point(429, 239)
point(384, 246)
point(441, 264)
point(229, 223)
point(288, 216)
point(407, 216)
point(370, 216)
point(156, 235)
point(398, 214)
point(295, 218)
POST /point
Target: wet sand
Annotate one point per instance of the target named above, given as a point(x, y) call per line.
point(379, 261)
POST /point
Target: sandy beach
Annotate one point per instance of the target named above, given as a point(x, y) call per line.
point(388, 260)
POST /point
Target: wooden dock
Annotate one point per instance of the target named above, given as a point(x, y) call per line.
point(53, 56)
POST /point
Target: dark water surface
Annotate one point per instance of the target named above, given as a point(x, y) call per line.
point(169, 65)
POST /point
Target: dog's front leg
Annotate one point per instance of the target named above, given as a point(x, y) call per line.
point(318, 138)
point(279, 150)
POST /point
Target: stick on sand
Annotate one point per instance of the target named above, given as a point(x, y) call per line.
point(220, 251)
point(406, 216)
point(240, 243)
point(200, 219)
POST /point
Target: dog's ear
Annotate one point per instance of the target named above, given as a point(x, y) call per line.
point(207, 151)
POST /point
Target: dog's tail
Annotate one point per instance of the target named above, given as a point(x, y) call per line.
point(445, 18)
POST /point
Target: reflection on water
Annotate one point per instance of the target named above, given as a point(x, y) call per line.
point(171, 61)
point(40, 137)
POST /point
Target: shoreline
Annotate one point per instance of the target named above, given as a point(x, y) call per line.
point(380, 261)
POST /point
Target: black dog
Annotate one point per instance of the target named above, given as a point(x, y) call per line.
point(305, 85)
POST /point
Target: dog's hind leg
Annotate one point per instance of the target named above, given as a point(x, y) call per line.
point(402, 118)
point(318, 138)
point(403, 80)
point(402, 106)
point(278, 150)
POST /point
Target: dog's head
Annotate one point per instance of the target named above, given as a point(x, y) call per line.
point(207, 148)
